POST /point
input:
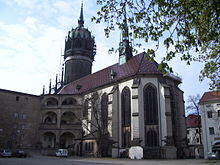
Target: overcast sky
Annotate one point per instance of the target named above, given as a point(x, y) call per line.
point(32, 36)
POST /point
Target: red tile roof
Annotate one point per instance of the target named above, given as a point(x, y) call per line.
point(137, 65)
point(192, 121)
point(210, 96)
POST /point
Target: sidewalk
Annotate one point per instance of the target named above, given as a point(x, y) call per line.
point(149, 162)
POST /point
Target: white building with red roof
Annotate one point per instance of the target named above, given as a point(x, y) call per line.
point(210, 115)
point(194, 134)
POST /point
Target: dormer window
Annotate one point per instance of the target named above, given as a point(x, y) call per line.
point(112, 74)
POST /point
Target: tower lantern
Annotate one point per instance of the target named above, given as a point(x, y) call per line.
point(79, 52)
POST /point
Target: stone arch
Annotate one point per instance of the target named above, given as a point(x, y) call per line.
point(216, 146)
point(68, 117)
point(50, 118)
point(126, 116)
point(69, 101)
point(51, 101)
point(48, 140)
point(67, 140)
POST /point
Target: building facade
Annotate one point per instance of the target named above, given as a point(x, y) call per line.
point(210, 115)
point(194, 135)
point(19, 120)
point(130, 103)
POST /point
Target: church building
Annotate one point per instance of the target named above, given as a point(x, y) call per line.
point(130, 103)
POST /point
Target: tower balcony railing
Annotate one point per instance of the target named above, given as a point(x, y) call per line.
point(70, 126)
point(46, 126)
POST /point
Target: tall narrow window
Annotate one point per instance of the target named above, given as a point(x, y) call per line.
point(104, 112)
point(209, 114)
point(126, 117)
point(151, 138)
point(211, 131)
point(150, 105)
point(85, 109)
point(151, 115)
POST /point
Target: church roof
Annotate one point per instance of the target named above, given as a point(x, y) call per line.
point(137, 65)
point(210, 96)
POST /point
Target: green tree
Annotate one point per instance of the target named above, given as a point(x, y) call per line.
point(189, 29)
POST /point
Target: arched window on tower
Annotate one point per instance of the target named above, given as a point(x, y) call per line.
point(104, 112)
point(126, 117)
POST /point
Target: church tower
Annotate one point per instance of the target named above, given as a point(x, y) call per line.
point(125, 48)
point(79, 52)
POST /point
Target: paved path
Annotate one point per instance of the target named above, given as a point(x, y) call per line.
point(150, 162)
point(46, 160)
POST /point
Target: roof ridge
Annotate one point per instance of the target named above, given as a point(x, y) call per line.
point(102, 77)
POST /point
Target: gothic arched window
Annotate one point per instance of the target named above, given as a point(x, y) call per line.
point(150, 105)
point(85, 109)
point(126, 117)
point(104, 111)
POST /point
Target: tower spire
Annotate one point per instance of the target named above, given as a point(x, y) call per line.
point(125, 35)
point(125, 48)
point(81, 20)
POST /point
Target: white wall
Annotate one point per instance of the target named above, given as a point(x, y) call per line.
point(210, 122)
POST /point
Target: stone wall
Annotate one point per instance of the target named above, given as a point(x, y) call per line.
point(19, 119)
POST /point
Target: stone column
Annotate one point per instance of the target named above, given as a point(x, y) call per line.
point(115, 121)
point(169, 141)
point(135, 136)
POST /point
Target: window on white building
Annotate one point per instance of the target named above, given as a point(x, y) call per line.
point(209, 114)
point(211, 131)
point(218, 113)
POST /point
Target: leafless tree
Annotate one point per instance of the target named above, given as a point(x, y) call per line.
point(193, 108)
point(95, 121)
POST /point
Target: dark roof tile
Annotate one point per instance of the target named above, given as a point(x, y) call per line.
point(136, 65)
